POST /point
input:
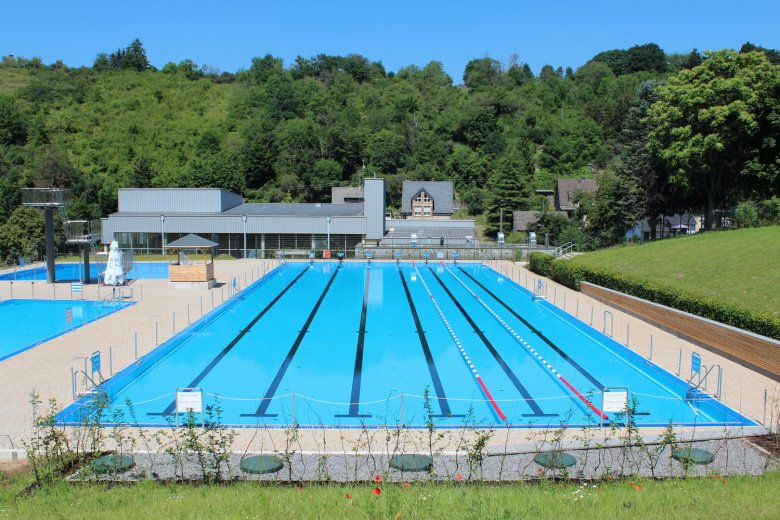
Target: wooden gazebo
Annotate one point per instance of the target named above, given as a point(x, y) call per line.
point(185, 270)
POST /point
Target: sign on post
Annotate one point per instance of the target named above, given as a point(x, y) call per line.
point(189, 400)
point(614, 400)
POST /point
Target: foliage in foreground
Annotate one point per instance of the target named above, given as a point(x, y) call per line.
point(734, 497)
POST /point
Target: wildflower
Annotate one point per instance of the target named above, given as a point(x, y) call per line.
point(406, 484)
point(459, 476)
point(378, 479)
point(636, 486)
point(348, 496)
point(398, 515)
point(300, 488)
point(377, 491)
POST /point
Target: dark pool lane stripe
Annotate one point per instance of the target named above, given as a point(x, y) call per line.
point(195, 382)
point(357, 374)
point(269, 395)
point(500, 360)
point(539, 333)
point(438, 388)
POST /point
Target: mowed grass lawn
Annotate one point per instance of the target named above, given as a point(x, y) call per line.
point(739, 266)
point(705, 498)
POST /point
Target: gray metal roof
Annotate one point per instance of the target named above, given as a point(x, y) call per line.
point(522, 219)
point(340, 194)
point(192, 241)
point(440, 191)
point(270, 209)
point(567, 188)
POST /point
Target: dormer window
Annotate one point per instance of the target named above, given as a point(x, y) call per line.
point(422, 205)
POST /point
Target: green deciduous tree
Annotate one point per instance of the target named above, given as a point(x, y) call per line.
point(22, 234)
point(718, 127)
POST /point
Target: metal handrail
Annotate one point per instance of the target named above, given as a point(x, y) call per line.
point(562, 250)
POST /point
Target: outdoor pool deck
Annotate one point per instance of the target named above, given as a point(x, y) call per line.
point(47, 368)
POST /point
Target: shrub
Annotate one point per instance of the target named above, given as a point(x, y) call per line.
point(746, 215)
point(567, 273)
point(541, 263)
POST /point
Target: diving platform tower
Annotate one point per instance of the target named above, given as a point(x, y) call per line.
point(85, 233)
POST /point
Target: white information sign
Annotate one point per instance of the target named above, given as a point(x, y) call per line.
point(615, 400)
point(189, 402)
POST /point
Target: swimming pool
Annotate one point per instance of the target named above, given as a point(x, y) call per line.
point(373, 344)
point(27, 323)
point(73, 272)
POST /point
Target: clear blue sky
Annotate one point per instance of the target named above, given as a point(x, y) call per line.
point(227, 34)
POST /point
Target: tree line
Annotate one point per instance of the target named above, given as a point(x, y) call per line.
point(660, 132)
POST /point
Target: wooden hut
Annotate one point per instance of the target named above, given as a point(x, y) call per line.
point(191, 262)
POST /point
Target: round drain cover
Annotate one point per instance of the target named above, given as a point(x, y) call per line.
point(261, 464)
point(555, 459)
point(112, 464)
point(690, 455)
point(411, 462)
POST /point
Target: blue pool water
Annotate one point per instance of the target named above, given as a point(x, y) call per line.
point(75, 272)
point(361, 344)
point(27, 323)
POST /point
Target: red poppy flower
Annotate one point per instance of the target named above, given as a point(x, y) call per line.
point(406, 484)
point(377, 491)
point(378, 479)
point(300, 488)
point(347, 496)
point(459, 476)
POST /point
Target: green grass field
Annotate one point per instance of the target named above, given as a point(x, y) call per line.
point(741, 266)
point(706, 498)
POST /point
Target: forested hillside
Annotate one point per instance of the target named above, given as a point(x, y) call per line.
point(660, 132)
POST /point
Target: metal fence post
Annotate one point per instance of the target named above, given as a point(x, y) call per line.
point(293, 408)
point(110, 361)
point(401, 419)
point(212, 299)
point(33, 290)
point(188, 314)
point(201, 306)
point(174, 322)
point(628, 332)
point(651, 347)
point(156, 337)
point(135, 340)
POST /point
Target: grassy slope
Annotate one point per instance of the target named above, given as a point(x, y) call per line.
point(706, 498)
point(741, 266)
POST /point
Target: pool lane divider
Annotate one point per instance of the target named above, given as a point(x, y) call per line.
point(269, 394)
point(438, 388)
point(536, 331)
point(529, 399)
point(357, 375)
point(533, 351)
point(195, 382)
point(463, 353)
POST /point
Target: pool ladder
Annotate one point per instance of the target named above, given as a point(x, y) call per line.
point(695, 391)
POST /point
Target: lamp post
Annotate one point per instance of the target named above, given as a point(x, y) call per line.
point(328, 233)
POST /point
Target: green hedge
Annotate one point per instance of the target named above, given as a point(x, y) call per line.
point(571, 274)
point(541, 263)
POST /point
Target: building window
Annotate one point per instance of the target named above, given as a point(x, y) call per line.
point(422, 204)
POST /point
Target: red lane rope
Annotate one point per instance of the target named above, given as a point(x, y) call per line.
point(463, 353)
point(525, 344)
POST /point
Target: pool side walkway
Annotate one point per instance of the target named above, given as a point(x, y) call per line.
point(47, 367)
